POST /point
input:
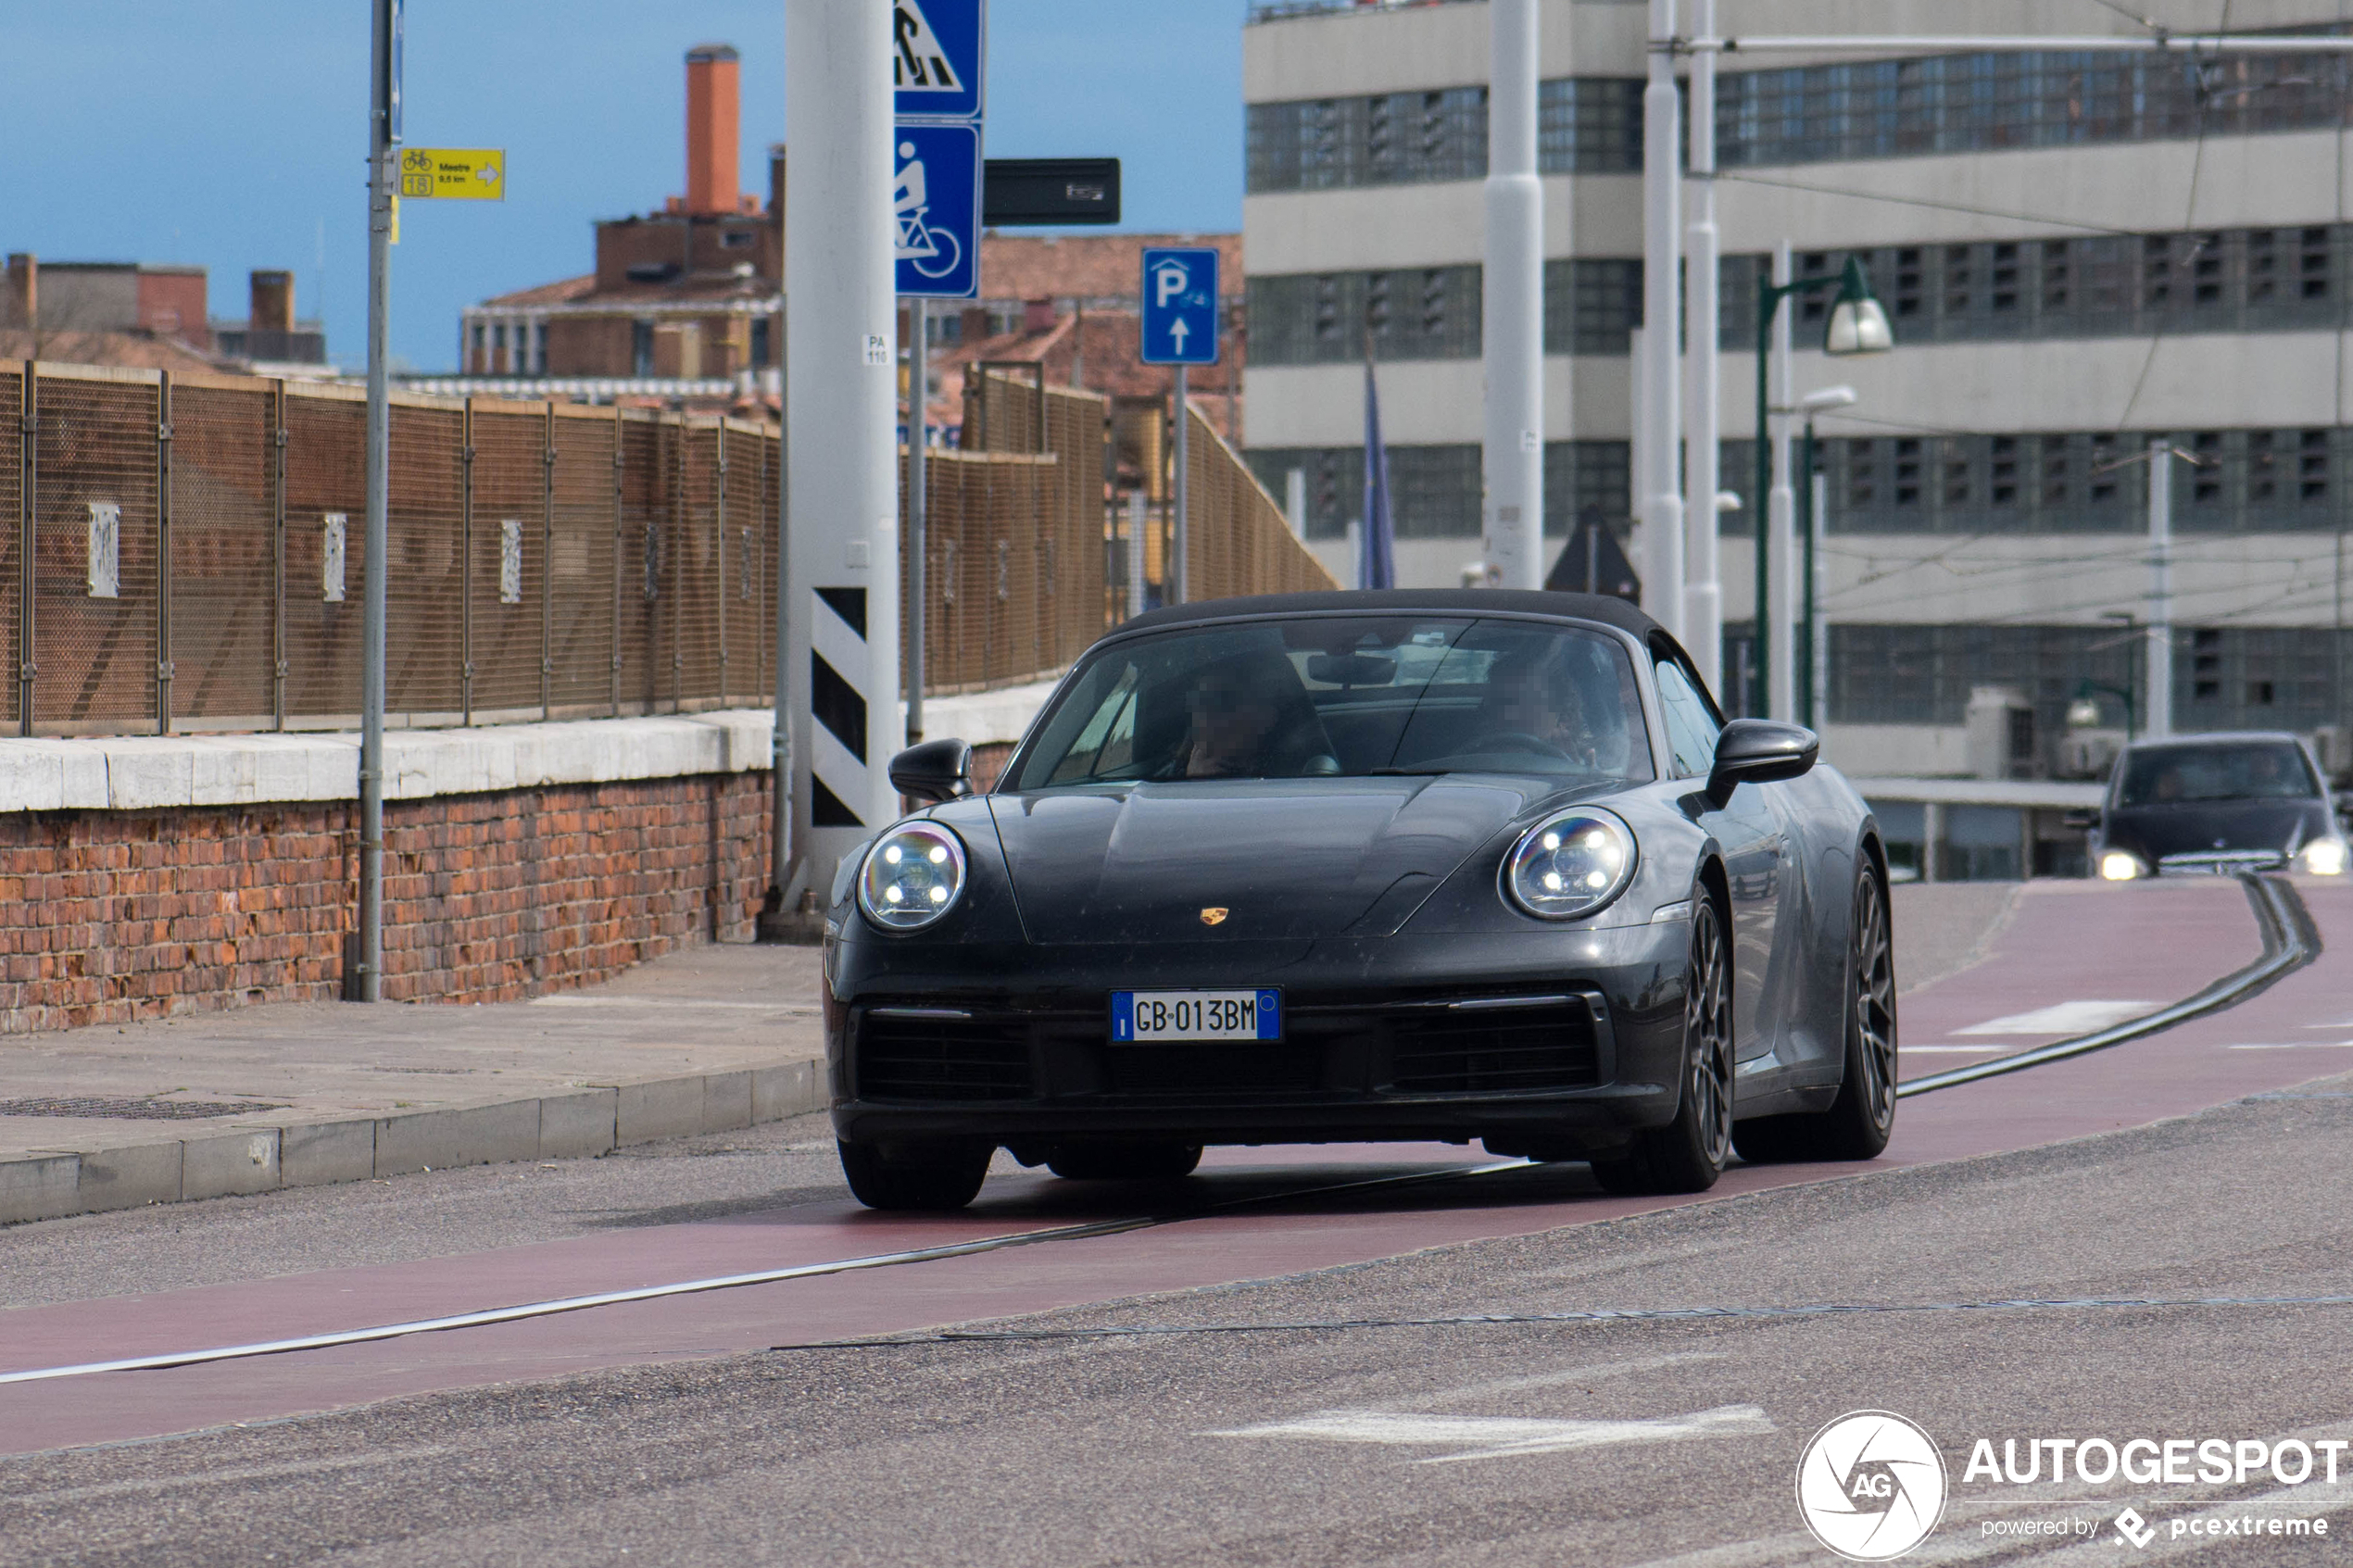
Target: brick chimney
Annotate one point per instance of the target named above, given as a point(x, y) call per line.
point(272, 308)
point(711, 129)
point(20, 306)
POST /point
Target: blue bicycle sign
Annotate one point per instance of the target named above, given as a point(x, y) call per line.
point(935, 209)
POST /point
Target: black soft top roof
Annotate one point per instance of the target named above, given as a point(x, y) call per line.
point(1602, 608)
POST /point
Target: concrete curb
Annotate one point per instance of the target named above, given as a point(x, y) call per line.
point(244, 1157)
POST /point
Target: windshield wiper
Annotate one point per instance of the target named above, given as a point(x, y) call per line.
point(1425, 770)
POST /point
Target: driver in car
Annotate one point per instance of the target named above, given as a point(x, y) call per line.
point(1529, 699)
point(1252, 719)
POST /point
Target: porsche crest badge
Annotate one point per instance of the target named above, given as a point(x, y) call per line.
point(1214, 915)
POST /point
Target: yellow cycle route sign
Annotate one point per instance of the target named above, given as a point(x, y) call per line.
point(464, 173)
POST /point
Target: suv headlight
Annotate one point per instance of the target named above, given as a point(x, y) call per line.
point(2324, 857)
point(1569, 864)
point(2118, 866)
point(913, 875)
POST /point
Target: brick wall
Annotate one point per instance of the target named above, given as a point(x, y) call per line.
point(108, 916)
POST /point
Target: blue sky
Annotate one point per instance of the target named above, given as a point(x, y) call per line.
point(231, 133)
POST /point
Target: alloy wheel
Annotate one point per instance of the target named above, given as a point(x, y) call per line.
point(1707, 1030)
point(1874, 1002)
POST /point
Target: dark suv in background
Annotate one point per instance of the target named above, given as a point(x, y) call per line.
point(2213, 803)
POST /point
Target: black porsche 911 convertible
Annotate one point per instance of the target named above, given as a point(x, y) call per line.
point(1360, 866)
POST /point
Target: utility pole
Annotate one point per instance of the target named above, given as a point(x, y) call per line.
point(1704, 595)
point(841, 444)
point(384, 133)
point(1659, 486)
point(2160, 630)
point(1776, 574)
point(1512, 336)
point(918, 500)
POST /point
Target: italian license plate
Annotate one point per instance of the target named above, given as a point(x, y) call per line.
point(1142, 1016)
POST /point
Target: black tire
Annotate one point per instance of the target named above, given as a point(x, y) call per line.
point(1858, 1123)
point(1123, 1161)
point(915, 1175)
point(1690, 1152)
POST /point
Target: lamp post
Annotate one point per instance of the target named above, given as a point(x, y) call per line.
point(1809, 524)
point(2084, 713)
point(1857, 325)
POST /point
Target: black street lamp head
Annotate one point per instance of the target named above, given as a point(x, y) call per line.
point(1859, 323)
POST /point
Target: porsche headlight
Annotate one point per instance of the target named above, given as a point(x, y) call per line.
point(913, 875)
point(1570, 864)
point(2118, 866)
point(2324, 857)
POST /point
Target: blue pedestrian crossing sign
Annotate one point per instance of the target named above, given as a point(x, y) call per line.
point(936, 66)
point(935, 201)
point(1180, 305)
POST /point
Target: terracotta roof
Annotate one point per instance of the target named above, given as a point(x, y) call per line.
point(1109, 366)
point(547, 293)
point(1085, 265)
point(130, 350)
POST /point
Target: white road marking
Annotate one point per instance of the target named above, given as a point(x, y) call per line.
point(2061, 1018)
point(1495, 1437)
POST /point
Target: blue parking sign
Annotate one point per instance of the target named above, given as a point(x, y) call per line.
point(934, 200)
point(1180, 305)
point(936, 65)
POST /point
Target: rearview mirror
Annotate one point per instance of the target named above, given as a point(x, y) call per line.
point(938, 769)
point(1760, 751)
point(1352, 670)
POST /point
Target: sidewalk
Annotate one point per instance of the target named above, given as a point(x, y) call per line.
point(704, 1040)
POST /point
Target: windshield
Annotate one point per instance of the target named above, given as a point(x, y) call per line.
point(2162, 775)
point(1345, 698)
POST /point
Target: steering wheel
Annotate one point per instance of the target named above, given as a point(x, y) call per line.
point(1520, 740)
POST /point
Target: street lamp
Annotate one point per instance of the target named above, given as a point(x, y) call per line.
point(2084, 713)
point(1857, 325)
point(1812, 405)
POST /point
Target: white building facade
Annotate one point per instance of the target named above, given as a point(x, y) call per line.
point(2078, 251)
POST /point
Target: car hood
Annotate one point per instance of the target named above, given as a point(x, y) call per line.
point(1286, 858)
point(2203, 827)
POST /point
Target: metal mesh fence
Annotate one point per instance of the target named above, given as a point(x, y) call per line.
point(97, 549)
point(424, 678)
point(15, 526)
point(581, 552)
point(224, 553)
point(190, 553)
point(1237, 540)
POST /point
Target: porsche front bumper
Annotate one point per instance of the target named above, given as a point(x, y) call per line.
point(1550, 1037)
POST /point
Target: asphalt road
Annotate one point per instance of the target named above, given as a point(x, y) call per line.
point(1272, 1385)
point(1389, 1440)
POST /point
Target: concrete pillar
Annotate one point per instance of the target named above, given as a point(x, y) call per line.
point(843, 533)
point(1512, 453)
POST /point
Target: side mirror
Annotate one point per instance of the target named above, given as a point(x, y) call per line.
point(938, 769)
point(2083, 821)
point(2345, 807)
point(1760, 751)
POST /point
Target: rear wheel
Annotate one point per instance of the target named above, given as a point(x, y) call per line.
point(943, 1174)
point(1123, 1161)
point(1690, 1152)
point(1858, 1122)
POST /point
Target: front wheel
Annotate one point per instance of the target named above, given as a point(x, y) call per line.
point(934, 1175)
point(1690, 1152)
point(1860, 1121)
